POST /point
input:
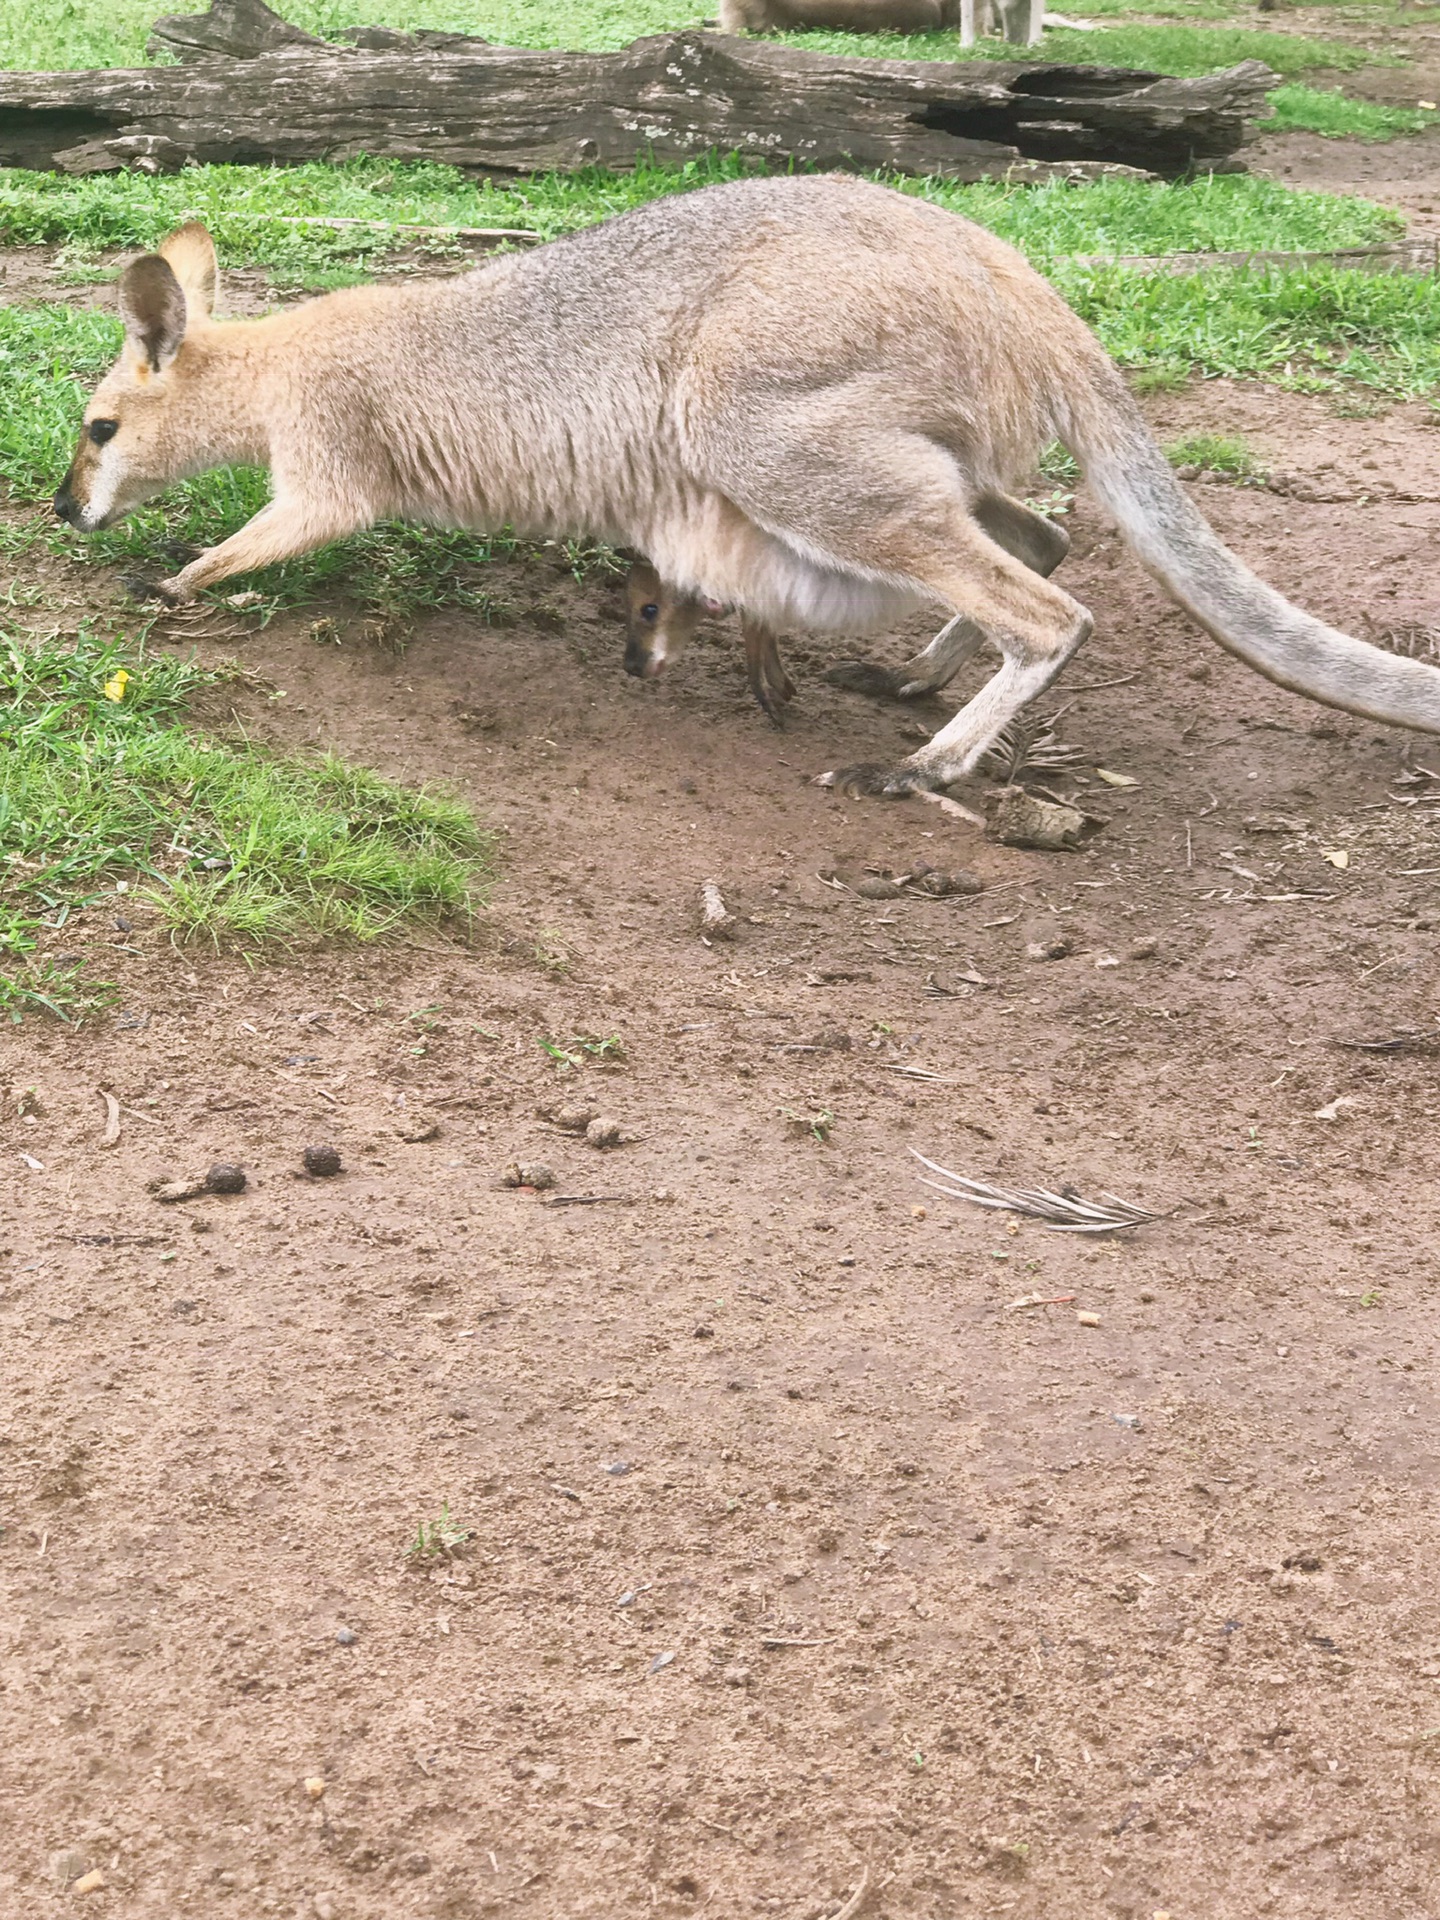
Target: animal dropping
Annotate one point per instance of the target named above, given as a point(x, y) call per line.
point(773, 388)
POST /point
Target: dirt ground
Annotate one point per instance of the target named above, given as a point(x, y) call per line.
point(800, 1552)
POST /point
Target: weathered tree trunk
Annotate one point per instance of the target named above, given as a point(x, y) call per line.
point(254, 88)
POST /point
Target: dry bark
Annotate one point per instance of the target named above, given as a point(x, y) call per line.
point(250, 87)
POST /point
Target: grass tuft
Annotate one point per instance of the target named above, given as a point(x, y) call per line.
point(1338, 116)
point(107, 799)
point(1215, 453)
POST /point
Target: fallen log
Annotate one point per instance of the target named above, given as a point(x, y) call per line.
point(250, 87)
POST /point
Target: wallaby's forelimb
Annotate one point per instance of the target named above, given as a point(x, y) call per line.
point(280, 531)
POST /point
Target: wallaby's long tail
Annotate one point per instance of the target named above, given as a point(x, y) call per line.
point(1132, 478)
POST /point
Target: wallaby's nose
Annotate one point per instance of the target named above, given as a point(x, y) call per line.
point(64, 504)
point(639, 663)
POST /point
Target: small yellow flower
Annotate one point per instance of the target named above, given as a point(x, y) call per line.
point(115, 686)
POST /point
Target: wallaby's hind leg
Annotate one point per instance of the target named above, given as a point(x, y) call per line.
point(765, 671)
point(1031, 538)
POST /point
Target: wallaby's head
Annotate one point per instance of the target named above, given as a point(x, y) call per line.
point(139, 434)
point(658, 620)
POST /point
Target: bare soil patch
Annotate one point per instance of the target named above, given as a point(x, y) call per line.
point(796, 1548)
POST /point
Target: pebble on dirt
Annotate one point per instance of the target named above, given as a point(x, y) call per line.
point(415, 1127)
point(573, 1119)
point(602, 1132)
point(314, 1786)
point(1020, 819)
point(225, 1177)
point(1055, 949)
point(90, 1882)
point(346, 1637)
point(322, 1162)
point(528, 1173)
point(1088, 1319)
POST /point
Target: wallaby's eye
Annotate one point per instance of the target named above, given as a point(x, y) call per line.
point(650, 611)
point(102, 430)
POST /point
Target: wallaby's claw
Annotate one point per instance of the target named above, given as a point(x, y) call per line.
point(179, 552)
point(890, 783)
point(139, 588)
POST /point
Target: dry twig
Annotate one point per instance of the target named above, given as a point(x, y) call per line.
point(111, 1135)
point(854, 1903)
point(1063, 1212)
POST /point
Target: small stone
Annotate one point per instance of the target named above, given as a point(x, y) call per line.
point(602, 1133)
point(169, 1192)
point(68, 1864)
point(738, 1677)
point(1055, 949)
point(617, 1468)
point(1020, 819)
point(1131, 1421)
point(1145, 949)
point(416, 1863)
point(417, 1126)
point(1088, 1319)
point(945, 886)
point(879, 889)
point(90, 1882)
point(528, 1173)
point(322, 1162)
point(346, 1637)
point(314, 1786)
point(660, 1662)
point(1106, 960)
point(225, 1177)
point(574, 1119)
point(325, 1907)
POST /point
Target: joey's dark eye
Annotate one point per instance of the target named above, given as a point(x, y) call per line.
point(102, 430)
point(650, 611)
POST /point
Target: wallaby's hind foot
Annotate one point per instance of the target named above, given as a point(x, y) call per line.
point(869, 780)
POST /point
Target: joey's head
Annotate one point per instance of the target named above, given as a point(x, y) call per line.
point(658, 620)
point(140, 429)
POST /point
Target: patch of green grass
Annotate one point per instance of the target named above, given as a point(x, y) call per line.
point(1184, 51)
point(1313, 330)
point(79, 33)
point(438, 1539)
point(1337, 116)
point(1215, 453)
point(105, 795)
point(258, 215)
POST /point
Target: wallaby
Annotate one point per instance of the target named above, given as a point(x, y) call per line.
point(845, 16)
point(659, 621)
point(796, 395)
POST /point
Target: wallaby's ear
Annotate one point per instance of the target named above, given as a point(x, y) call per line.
point(191, 253)
point(152, 305)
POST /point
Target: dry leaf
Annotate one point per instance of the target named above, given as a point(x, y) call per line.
point(1116, 779)
point(1337, 857)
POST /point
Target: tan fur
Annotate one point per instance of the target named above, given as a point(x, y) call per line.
point(795, 395)
point(845, 16)
point(659, 624)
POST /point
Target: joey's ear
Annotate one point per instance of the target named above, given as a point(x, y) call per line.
point(191, 254)
point(152, 305)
